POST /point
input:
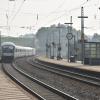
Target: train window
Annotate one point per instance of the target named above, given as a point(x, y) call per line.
point(7, 50)
point(10, 47)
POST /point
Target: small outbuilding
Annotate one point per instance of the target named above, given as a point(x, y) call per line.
point(92, 53)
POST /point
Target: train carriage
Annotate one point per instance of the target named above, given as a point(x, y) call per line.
point(11, 51)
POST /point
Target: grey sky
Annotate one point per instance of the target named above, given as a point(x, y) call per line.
point(22, 13)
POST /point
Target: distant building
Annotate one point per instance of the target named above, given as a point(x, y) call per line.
point(95, 38)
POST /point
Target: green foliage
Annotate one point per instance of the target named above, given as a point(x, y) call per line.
point(23, 41)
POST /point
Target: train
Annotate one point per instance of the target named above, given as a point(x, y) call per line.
point(10, 51)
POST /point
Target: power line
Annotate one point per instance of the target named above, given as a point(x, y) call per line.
point(55, 19)
point(51, 12)
point(14, 6)
point(66, 11)
point(55, 11)
point(58, 7)
point(17, 11)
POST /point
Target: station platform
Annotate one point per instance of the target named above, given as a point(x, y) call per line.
point(65, 63)
point(9, 90)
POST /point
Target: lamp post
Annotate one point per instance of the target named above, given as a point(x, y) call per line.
point(0, 39)
point(46, 49)
point(49, 48)
point(69, 36)
point(59, 45)
point(0, 45)
point(53, 44)
point(47, 45)
point(99, 8)
point(75, 47)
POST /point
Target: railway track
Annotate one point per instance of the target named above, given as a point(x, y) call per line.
point(67, 73)
point(75, 87)
point(40, 89)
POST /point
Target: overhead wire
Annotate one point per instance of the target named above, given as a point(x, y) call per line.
point(13, 9)
point(50, 12)
point(95, 15)
point(17, 11)
point(67, 11)
point(59, 6)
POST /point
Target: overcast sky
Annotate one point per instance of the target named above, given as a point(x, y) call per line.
point(27, 16)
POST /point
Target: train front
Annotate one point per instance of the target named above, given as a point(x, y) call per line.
point(7, 53)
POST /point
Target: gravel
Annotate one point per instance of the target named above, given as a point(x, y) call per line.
point(80, 90)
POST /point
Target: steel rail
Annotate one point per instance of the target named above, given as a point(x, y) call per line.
point(67, 96)
point(81, 77)
point(22, 85)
